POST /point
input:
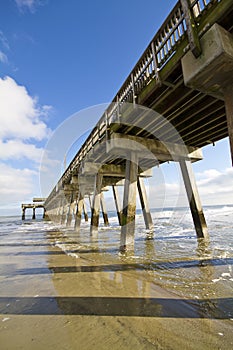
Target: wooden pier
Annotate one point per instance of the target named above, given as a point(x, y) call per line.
point(176, 100)
point(37, 203)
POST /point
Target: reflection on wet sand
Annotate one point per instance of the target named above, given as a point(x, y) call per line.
point(127, 267)
point(113, 306)
point(95, 298)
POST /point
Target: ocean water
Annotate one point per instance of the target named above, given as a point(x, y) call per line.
point(172, 256)
point(41, 262)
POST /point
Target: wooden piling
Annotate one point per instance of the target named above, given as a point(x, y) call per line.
point(85, 211)
point(104, 209)
point(129, 203)
point(117, 203)
point(194, 199)
point(70, 211)
point(23, 213)
point(228, 97)
point(59, 211)
point(45, 215)
point(145, 204)
point(64, 212)
point(96, 204)
point(78, 214)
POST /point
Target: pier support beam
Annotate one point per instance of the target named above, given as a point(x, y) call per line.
point(59, 211)
point(45, 215)
point(69, 215)
point(90, 201)
point(78, 215)
point(96, 204)
point(64, 212)
point(70, 211)
point(104, 210)
point(33, 213)
point(117, 203)
point(228, 96)
point(191, 28)
point(194, 199)
point(129, 203)
point(85, 211)
point(23, 213)
point(144, 204)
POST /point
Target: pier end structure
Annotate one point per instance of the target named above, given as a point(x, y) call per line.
point(37, 203)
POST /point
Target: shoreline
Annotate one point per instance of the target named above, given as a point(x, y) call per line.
point(172, 208)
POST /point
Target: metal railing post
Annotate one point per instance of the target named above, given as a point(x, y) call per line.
point(155, 62)
point(192, 31)
point(133, 90)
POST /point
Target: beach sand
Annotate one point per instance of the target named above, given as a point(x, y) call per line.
point(94, 300)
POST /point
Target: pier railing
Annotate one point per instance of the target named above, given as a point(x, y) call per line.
point(161, 49)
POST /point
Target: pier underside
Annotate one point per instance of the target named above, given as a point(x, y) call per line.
point(176, 100)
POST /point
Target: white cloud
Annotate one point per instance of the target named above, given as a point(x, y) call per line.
point(208, 174)
point(21, 126)
point(20, 113)
point(166, 194)
point(4, 41)
point(27, 4)
point(17, 149)
point(216, 187)
point(16, 184)
point(3, 57)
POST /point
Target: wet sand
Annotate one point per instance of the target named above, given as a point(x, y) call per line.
point(95, 300)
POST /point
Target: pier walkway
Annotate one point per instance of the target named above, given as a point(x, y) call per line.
point(176, 100)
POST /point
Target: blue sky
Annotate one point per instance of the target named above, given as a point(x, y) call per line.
point(58, 57)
